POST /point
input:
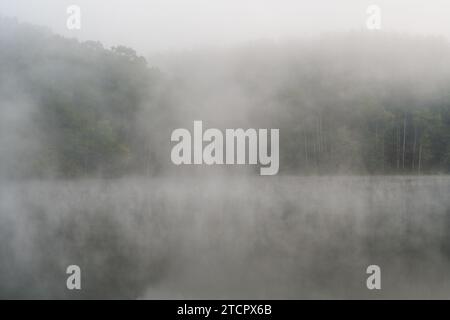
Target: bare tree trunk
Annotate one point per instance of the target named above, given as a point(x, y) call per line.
point(323, 135)
point(319, 136)
point(398, 147)
point(314, 151)
point(394, 144)
point(376, 136)
point(414, 147)
point(325, 150)
point(306, 147)
point(382, 152)
point(420, 158)
point(404, 142)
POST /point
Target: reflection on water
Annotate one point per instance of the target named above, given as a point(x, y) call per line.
point(258, 237)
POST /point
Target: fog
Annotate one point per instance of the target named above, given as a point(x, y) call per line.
point(167, 25)
point(288, 237)
point(86, 176)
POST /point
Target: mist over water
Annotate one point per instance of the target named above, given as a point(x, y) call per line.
point(86, 176)
point(247, 237)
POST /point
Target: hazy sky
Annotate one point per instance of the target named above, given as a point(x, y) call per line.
point(160, 25)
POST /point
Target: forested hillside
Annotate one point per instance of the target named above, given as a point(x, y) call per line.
point(68, 108)
point(345, 103)
point(349, 103)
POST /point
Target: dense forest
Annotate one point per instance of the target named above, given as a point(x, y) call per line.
point(358, 103)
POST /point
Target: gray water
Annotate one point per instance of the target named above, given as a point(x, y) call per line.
point(236, 237)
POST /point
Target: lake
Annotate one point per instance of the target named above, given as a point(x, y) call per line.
point(227, 237)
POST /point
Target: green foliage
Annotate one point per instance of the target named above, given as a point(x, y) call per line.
point(344, 104)
point(86, 99)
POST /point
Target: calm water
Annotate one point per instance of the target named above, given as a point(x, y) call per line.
point(256, 237)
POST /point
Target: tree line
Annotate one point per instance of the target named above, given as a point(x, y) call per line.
point(347, 103)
